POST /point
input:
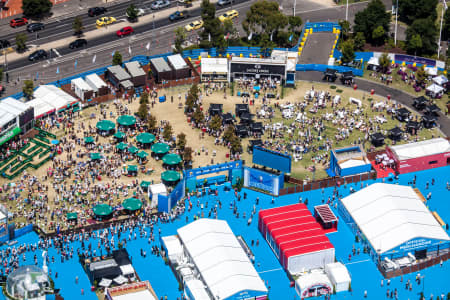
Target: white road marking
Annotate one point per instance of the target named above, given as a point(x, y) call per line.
point(357, 262)
point(273, 270)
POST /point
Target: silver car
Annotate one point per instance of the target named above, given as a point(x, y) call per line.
point(160, 4)
point(224, 2)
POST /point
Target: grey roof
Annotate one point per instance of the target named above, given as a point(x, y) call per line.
point(177, 62)
point(127, 84)
point(119, 72)
point(160, 65)
point(108, 263)
point(134, 68)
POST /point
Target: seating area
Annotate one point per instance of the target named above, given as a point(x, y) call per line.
point(32, 155)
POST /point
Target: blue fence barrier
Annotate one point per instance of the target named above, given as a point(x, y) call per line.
point(322, 68)
point(22, 231)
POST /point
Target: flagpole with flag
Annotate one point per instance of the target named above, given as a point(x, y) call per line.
point(94, 58)
point(75, 64)
point(129, 50)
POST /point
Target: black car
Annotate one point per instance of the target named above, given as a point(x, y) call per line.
point(96, 11)
point(4, 44)
point(35, 27)
point(36, 55)
point(178, 15)
point(78, 43)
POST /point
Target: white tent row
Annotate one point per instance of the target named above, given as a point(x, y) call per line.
point(10, 109)
point(420, 149)
point(391, 215)
point(440, 80)
point(338, 275)
point(49, 98)
point(217, 254)
point(435, 89)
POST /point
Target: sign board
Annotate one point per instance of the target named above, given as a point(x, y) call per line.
point(213, 169)
point(272, 159)
point(415, 59)
point(262, 69)
point(9, 135)
point(263, 180)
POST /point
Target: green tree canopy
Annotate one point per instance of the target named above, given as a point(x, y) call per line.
point(36, 8)
point(384, 62)
point(77, 26)
point(359, 40)
point(345, 29)
point(21, 42)
point(151, 123)
point(142, 111)
point(421, 75)
point(348, 51)
point(295, 22)
point(215, 123)
point(373, 16)
point(180, 38)
point(28, 88)
point(198, 116)
point(117, 58)
point(181, 141)
point(144, 98)
point(446, 26)
point(426, 30)
point(132, 13)
point(378, 35)
point(411, 10)
point(264, 17)
point(187, 155)
point(167, 132)
point(228, 133)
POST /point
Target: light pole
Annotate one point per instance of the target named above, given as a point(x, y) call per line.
point(346, 12)
point(295, 4)
point(444, 7)
point(396, 16)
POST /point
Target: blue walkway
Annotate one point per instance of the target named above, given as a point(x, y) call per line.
point(363, 271)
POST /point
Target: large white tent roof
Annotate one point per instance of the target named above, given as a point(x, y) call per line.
point(390, 215)
point(48, 98)
point(217, 65)
point(434, 88)
point(420, 149)
point(219, 257)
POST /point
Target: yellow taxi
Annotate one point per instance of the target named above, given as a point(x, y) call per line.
point(194, 25)
point(105, 21)
point(229, 15)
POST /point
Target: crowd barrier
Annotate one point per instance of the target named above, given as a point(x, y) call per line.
point(22, 231)
point(322, 68)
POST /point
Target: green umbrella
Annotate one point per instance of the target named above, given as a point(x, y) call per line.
point(88, 139)
point(133, 149)
point(121, 146)
point(102, 210)
point(72, 216)
point(95, 156)
point(171, 159)
point(126, 120)
point(132, 204)
point(145, 184)
point(132, 168)
point(145, 138)
point(105, 125)
point(170, 176)
point(160, 148)
point(142, 154)
point(119, 135)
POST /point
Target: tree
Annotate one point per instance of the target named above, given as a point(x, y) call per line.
point(295, 22)
point(421, 75)
point(427, 30)
point(228, 133)
point(212, 34)
point(198, 116)
point(370, 18)
point(216, 123)
point(345, 29)
point(236, 146)
point(194, 91)
point(167, 132)
point(132, 13)
point(117, 58)
point(384, 62)
point(181, 141)
point(142, 111)
point(21, 42)
point(28, 89)
point(190, 103)
point(1, 74)
point(78, 26)
point(348, 51)
point(151, 123)
point(411, 10)
point(446, 26)
point(36, 8)
point(359, 40)
point(413, 44)
point(187, 155)
point(378, 35)
point(144, 98)
point(180, 38)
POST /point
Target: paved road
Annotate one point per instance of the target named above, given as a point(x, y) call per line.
point(380, 89)
point(318, 48)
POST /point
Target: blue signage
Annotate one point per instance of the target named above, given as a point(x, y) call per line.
point(213, 169)
point(415, 59)
point(263, 180)
point(272, 159)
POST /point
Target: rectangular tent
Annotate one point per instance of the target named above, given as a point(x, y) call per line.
point(195, 290)
point(313, 285)
point(97, 84)
point(394, 221)
point(220, 259)
point(214, 69)
point(172, 247)
point(138, 76)
point(339, 276)
point(48, 99)
point(419, 156)
point(161, 69)
point(348, 161)
point(180, 68)
point(434, 90)
point(81, 88)
point(154, 190)
point(440, 80)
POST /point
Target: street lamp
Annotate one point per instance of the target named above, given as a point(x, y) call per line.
point(444, 7)
point(346, 12)
point(396, 16)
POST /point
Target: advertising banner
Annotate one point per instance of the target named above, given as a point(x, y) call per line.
point(9, 135)
point(252, 68)
point(262, 180)
point(414, 59)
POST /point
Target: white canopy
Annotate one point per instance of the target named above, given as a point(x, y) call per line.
point(338, 275)
point(352, 163)
point(312, 279)
point(173, 247)
point(95, 82)
point(120, 279)
point(105, 282)
point(440, 80)
point(158, 188)
point(390, 215)
point(81, 84)
point(197, 289)
point(373, 61)
point(220, 259)
point(214, 65)
point(431, 71)
point(127, 269)
point(420, 149)
point(434, 88)
point(48, 98)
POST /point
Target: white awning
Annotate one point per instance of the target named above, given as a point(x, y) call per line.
point(214, 65)
point(120, 279)
point(390, 215)
point(420, 149)
point(105, 282)
point(373, 61)
point(431, 71)
point(434, 88)
point(156, 189)
point(127, 269)
point(197, 289)
point(440, 80)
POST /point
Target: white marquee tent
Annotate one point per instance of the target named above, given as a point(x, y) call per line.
point(420, 149)
point(49, 98)
point(440, 80)
point(217, 254)
point(435, 89)
point(338, 275)
point(391, 215)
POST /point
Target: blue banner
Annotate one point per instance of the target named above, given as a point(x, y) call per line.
point(213, 169)
point(415, 59)
point(272, 159)
point(263, 180)
point(163, 203)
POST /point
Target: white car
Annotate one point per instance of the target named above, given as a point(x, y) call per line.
point(140, 12)
point(160, 4)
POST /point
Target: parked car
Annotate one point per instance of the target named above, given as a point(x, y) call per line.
point(224, 2)
point(35, 27)
point(178, 15)
point(140, 12)
point(194, 25)
point(78, 43)
point(125, 31)
point(37, 55)
point(18, 22)
point(229, 15)
point(4, 44)
point(160, 4)
point(105, 21)
point(96, 11)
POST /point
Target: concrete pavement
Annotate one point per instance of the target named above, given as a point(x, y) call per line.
point(382, 90)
